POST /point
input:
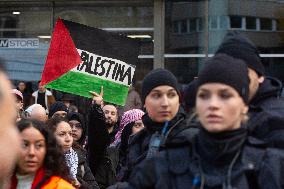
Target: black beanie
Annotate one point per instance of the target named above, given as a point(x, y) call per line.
point(157, 78)
point(238, 46)
point(57, 106)
point(226, 70)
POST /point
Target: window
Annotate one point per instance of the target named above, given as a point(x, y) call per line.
point(224, 22)
point(192, 24)
point(213, 20)
point(235, 22)
point(251, 23)
point(183, 28)
point(200, 24)
point(265, 24)
point(8, 22)
point(176, 27)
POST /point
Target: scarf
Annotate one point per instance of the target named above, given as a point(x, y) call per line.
point(220, 148)
point(71, 158)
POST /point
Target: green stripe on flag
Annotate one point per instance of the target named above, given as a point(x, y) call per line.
point(80, 84)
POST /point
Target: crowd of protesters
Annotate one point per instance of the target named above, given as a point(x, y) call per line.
point(226, 130)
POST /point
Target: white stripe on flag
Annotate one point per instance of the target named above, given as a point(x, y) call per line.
point(105, 68)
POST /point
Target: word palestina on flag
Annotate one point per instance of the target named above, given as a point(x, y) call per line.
point(105, 68)
point(83, 59)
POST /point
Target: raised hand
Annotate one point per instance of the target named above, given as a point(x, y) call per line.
point(98, 98)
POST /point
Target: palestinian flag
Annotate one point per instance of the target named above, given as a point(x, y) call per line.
point(82, 59)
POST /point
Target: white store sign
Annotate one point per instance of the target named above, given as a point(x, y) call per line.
point(22, 43)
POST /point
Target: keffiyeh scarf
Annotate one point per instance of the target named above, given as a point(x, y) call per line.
point(71, 158)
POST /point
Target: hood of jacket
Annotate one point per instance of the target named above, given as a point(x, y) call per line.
point(271, 87)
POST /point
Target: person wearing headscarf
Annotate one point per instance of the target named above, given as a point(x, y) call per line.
point(130, 124)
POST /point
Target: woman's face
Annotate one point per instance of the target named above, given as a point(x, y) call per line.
point(138, 125)
point(32, 152)
point(162, 103)
point(76, 129)
point(219, 107)
point(63, 135)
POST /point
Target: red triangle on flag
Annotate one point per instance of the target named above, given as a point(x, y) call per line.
point(62, 54)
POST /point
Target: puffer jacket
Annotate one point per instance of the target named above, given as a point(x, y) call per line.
point(212, 162)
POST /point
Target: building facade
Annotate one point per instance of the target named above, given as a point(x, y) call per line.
point(175, 34)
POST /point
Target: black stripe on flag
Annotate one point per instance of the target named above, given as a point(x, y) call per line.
point(103, 43)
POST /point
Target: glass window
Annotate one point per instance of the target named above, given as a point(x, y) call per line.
point(176, 27)
point(251, 23)
point(213, 20)
point(184, 26)
point(235, 21)
point(192, 17)
point(265, 24)
point(9, 23)
point(193, 25)
point(280, 24)
point(200, 24)
point(35, 19)
point(185, 69)
point(224, 22)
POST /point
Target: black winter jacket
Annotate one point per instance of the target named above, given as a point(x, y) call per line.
point(84, 174)
point(266, 113)
point(226, 162)
point(139, 143)
point(98, 137)
point(268, 98)
point(102, 160)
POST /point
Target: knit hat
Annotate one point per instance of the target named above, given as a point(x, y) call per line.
point(238, 46)
point(157, 78)
point(226, 70)
point(57, 106)
point(128, 117)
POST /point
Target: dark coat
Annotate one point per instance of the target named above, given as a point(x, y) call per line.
point(106, 170)
point(102, 160)
point(139, 143)
point(98, 138)
point(84, 174)
point(266, 113)
point(268, 98)
point(250, 166)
